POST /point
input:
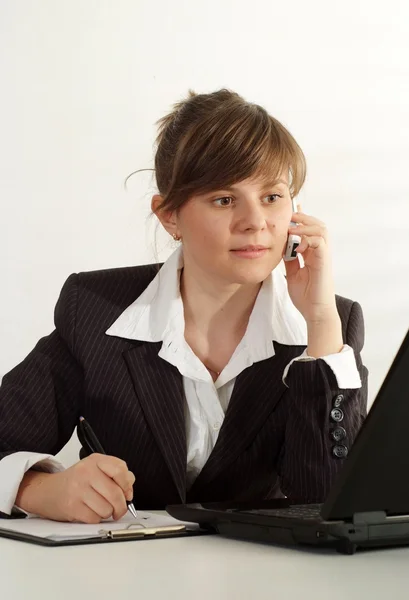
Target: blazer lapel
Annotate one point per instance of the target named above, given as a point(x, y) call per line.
point(159, 387)
point(256, 392)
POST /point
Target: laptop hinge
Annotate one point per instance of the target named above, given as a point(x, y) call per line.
point(368, 518)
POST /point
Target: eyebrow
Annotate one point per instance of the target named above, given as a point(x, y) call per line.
point(266, 185)
point(275, 181)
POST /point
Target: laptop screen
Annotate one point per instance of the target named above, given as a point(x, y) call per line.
point(375, 477)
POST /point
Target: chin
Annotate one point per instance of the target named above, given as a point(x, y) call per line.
point(252, 273)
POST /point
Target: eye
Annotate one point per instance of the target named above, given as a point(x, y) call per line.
point(272, 196)
point(223, 201)
point(226, 201)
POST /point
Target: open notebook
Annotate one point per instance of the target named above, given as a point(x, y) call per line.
point(52, 533)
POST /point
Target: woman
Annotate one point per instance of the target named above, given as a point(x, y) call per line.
point(213, 378)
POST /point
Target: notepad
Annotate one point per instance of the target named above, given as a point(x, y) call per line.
point(128, 526)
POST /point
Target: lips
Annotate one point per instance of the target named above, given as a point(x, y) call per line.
point(249, 248)
point(250, 252)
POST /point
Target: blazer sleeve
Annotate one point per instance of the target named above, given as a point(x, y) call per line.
point(40, 397)
point(310, 457)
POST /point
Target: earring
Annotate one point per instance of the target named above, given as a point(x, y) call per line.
point(176, 237)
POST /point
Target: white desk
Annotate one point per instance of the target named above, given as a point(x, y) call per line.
point(198, 568)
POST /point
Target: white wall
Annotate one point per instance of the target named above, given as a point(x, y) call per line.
point(83, 81)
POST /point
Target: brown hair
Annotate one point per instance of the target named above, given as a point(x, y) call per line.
point(211, 141)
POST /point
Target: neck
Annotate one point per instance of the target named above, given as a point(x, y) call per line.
point(216, 308)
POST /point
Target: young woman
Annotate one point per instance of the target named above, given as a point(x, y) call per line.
point(212, 377)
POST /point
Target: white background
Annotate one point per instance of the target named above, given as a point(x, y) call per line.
point(83, 82)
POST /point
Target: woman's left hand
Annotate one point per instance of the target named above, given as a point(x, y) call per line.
point(311, 287)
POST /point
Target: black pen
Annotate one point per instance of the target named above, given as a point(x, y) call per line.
point(94, 445)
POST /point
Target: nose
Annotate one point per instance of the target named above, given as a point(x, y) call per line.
point(251, 216)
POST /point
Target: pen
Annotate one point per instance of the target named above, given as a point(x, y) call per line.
point(94, 445)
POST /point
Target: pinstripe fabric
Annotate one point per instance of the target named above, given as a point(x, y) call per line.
point(274, 439)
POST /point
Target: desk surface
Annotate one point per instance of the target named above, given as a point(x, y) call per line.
point(199, 568)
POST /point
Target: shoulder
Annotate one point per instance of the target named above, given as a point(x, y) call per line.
point(121, 284)
point(137, 277)
point(352, 319)
point(97, 298)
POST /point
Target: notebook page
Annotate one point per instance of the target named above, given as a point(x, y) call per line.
point(71, 531)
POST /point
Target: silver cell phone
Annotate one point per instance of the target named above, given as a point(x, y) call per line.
point(293, 241)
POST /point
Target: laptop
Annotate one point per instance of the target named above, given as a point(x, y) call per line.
point(368, 504)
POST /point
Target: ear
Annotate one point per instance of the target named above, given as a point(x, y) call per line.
point(166, 217)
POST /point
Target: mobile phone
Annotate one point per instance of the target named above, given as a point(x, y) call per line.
point(293, 241)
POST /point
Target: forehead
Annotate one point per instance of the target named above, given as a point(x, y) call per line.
point(260, 182)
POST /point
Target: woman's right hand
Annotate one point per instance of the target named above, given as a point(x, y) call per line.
point(93, 489)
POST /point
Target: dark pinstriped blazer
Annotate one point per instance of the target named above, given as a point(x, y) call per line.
point(273, 440)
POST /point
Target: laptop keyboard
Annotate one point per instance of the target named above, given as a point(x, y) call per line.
point(299, 511)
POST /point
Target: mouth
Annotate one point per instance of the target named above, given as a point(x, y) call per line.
point(250, 251)
point(249, 248)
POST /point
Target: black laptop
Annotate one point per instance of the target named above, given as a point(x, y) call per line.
point(368, 505)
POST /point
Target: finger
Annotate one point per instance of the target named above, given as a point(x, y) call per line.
point(97, 503)
point(307, 242)
point(316, 230)
point(111, 492)
point(300, 217)
point(131, 479)
point(116, 469)
point(84, 514)
point(129, 492)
